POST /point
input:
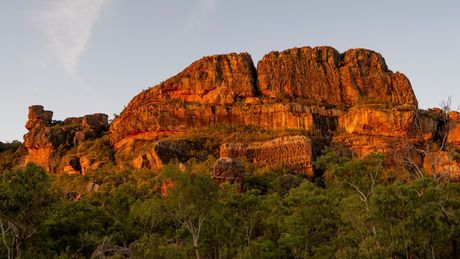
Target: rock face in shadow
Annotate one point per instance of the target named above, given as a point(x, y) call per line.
point(293, 152)
point(229, 170)
point(157, 154)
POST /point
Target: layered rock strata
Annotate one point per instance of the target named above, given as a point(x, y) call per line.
point(348, 99)
point(293, 152)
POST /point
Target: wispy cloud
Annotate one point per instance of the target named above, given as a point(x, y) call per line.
point(68, 25)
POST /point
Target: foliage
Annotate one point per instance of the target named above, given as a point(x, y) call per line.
point(10, 155)
point(354, 211)
point(26, 199)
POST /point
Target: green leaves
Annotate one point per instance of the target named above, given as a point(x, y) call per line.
point(355, 213)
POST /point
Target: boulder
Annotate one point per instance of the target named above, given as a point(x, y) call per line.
point(38, 117)
point(229, 170)
point(98, 121)
point(71, 165)
point(107, 251)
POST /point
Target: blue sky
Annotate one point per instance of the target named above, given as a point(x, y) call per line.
point(77, 57)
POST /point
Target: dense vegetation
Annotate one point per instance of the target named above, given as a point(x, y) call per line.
point(357, 210)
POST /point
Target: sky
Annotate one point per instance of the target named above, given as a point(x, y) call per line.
point(78, 57)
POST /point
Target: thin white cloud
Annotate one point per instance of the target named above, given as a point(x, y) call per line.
point(68, 25)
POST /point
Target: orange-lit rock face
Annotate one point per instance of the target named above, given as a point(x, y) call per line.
point(38, 117)
point(157, 120)
point(322, 74)
point(196, 97)
point(454, 129)
point(226, 89)
point(384, 122)
point(442, 163)
point(363, 145)
point(48, 141)
point(219, 79)
point(454, 135)
point(41, 156)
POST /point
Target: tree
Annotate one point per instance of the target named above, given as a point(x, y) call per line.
point(77, 227)
point(25, 200)
point(190, 201)
point(311, 224)
point(359, 175)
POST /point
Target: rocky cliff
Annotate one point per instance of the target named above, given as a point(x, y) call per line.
point(302, 88)
point(303, 99)
point(56, 145)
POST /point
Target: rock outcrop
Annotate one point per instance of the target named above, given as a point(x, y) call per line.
point(317, 90)
point(154, 155)
point(294, 152)
point(38, 117)
point(229, 170)
point(453, 136)
point(369, 120)
point(319, 96)
point(324, 75)
point(48, 141)
point(442, 164)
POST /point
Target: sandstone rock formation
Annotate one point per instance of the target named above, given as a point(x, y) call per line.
point(318, 95)
point(229, 170)
point(454, 129)
point(294, 152)
point(38, 117)
point(317, 90)
point(442, 164)
point(156, 154)
point(324, 75)
point(48, 141)
point(368, 120)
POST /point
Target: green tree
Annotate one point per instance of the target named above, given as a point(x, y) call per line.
point(25, 201)
point(311, 222)
point(77, 227)
point(190, 202)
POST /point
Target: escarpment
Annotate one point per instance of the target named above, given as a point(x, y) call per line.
point(284, 111)
point(324, 75)
point(290, 89)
